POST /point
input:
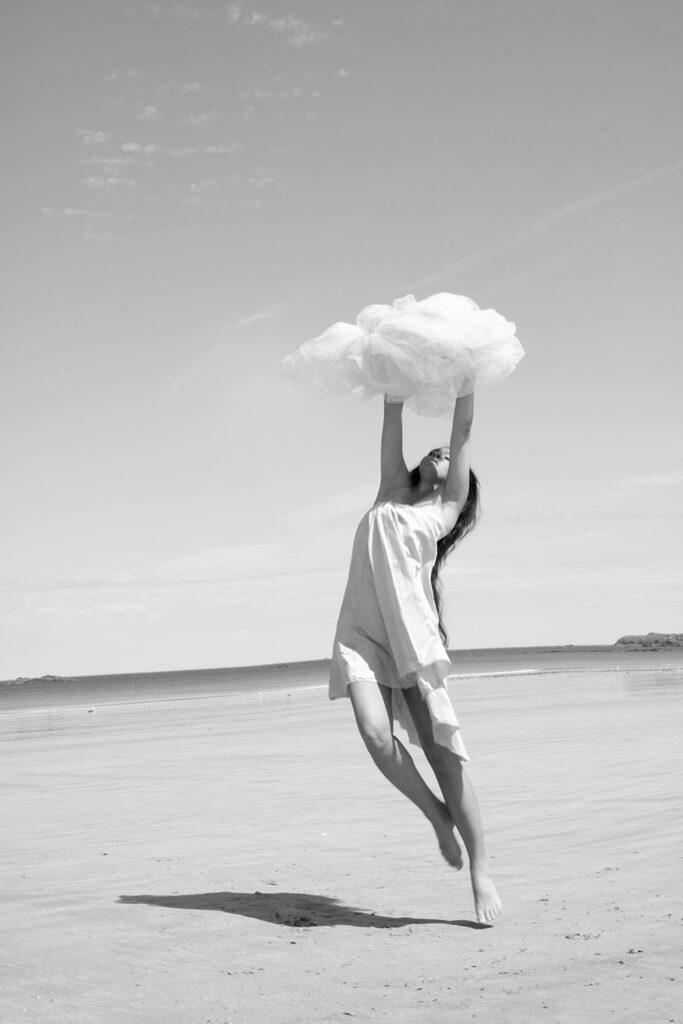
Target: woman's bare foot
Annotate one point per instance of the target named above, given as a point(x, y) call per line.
point(487, 905)
point(449, 843)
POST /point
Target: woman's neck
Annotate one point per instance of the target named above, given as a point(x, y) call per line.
point(425, 490)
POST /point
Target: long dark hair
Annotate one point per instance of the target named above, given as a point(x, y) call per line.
point(465, 522)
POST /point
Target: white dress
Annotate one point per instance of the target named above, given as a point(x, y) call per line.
point(425, 353)
point(388, 627)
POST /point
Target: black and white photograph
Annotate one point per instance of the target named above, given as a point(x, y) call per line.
point(341, 571)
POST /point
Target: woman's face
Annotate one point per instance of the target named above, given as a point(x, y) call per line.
point(434, 466)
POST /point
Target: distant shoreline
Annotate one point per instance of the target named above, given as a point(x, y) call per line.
point(273, 667)
point(649, 643)
point(51, 693)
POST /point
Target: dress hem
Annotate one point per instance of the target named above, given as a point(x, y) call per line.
point(446, 734)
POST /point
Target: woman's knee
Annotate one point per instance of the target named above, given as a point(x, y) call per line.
point(379, 741)
point(375, 729)
point(373, 719)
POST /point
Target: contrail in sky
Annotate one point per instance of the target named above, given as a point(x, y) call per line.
point(229, 330)
point(564, 213)
point(578, 250)
point(541, 226)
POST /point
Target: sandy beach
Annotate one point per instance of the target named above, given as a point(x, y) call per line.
point(232, 860)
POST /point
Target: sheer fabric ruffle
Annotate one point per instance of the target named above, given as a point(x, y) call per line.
point(425, 353)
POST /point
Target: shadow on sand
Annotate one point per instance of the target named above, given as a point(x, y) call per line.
point(293, 909)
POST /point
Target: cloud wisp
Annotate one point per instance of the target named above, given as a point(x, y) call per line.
point(579, 250)
point(295, 31)
point(174, 149)
point(559, 216)
point(92, 138)
point(170, 389)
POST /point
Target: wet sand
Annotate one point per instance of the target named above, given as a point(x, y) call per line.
point(214, 859)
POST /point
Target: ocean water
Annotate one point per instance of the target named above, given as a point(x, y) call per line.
point(254, 680)
point(135, 687)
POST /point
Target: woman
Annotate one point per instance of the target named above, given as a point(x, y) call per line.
point(389, 653)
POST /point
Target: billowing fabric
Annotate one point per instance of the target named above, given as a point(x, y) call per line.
point(388, 628)
point(425, 353)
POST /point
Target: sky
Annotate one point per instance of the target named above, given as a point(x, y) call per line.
point(194, 189)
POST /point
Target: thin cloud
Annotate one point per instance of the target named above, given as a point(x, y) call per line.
point(149, 112)
point(248, 203)
point(176, 10)
point(92, 234)
point(178, 87)
point(153, 114)
point(94, 222)
point(230, 330)
point(228, 561)
point(145, 149)
point(255, 317)
point(656, 480)
point(256, 94)
point(564, 213)
point(222, 202)
point(198, 120)
point(205, 193)
point(203, 201)
point(265, 558)
point(206, 184)
point(224, 148)
point(108, 182)
point(118, 75)
point(108, 161)
point(619, 490)
point(430, 8)
point(579, 250)
point(71, 211)
point(92, 138)
point(261, 176)
point(295, 30)
point(147, 604)
point(295, 92)
point(338, 506)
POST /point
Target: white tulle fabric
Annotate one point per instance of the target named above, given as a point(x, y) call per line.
point(424, 353)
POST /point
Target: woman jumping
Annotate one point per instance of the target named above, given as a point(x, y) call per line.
point(389, 653)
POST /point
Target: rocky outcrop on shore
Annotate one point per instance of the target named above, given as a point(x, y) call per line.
point(40, 679)
point(650, 641)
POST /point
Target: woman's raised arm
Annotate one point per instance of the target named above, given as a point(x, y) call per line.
point(393, 464)
point(458, 480)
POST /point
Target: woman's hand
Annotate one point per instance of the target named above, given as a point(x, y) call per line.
point(466, 388)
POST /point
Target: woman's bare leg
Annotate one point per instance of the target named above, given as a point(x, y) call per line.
point(372, 708)
point(461, 801)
